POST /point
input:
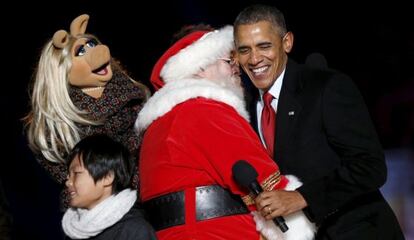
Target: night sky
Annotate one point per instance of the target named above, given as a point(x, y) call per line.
point(372, 44)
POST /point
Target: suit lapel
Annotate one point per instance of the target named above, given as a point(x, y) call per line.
point(288, 109)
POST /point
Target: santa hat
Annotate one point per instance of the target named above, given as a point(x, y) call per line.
point(190, 54)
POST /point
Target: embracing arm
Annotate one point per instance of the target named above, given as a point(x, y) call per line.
point(351, 135)
point(277, 203)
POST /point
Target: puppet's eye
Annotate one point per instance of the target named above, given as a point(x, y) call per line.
point(81, 51)
point(91, 43)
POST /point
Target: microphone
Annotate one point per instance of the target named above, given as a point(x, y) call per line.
point(246, 176)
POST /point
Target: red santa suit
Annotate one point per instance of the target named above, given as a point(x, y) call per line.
point(195, 130)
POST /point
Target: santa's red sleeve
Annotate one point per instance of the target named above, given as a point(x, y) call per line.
point(218, 137)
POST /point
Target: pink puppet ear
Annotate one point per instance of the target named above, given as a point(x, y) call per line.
point(79, 24)
point(60, 39)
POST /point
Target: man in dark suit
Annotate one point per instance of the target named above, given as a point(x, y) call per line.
point(323, 134)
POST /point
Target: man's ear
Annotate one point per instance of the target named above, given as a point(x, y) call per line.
point(287, 42)
point(108, 179)
point(200, 74)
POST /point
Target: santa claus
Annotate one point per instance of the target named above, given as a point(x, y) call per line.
point(195, 128)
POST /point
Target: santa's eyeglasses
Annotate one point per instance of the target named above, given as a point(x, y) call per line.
point(229, 61)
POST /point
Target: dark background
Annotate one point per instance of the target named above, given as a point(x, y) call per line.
point(374, 44)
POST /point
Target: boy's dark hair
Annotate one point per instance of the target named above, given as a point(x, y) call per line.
point(101, 156)
point(258, 12)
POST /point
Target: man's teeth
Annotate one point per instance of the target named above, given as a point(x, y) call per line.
point(259, 70)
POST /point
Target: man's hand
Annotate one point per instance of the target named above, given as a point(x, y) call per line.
point(279, 203)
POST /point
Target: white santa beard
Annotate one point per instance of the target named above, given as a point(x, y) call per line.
point(232, 83)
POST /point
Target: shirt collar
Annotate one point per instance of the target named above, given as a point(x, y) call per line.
point(276, 87)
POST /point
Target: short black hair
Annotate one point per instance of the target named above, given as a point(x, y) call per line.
point(101, 156)
point(259, 12)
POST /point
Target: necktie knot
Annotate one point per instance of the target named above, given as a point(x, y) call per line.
point(267, 99)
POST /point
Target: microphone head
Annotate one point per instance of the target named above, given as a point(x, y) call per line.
point(244, 173)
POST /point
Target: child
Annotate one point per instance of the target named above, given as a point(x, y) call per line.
point(101, 200)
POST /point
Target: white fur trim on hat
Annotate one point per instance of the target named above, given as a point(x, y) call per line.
point(200, 54)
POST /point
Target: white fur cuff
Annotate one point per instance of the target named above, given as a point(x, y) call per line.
point(300, 228)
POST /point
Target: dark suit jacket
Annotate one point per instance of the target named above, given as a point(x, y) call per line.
point(324, 136)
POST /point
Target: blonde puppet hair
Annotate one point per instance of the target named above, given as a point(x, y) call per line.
point(51, 122)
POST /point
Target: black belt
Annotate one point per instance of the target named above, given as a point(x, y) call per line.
point(211, 202)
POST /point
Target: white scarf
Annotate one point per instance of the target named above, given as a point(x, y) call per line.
point(80, 223)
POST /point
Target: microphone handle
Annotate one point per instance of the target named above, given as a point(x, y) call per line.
point(279, 221)
point(256, 188)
